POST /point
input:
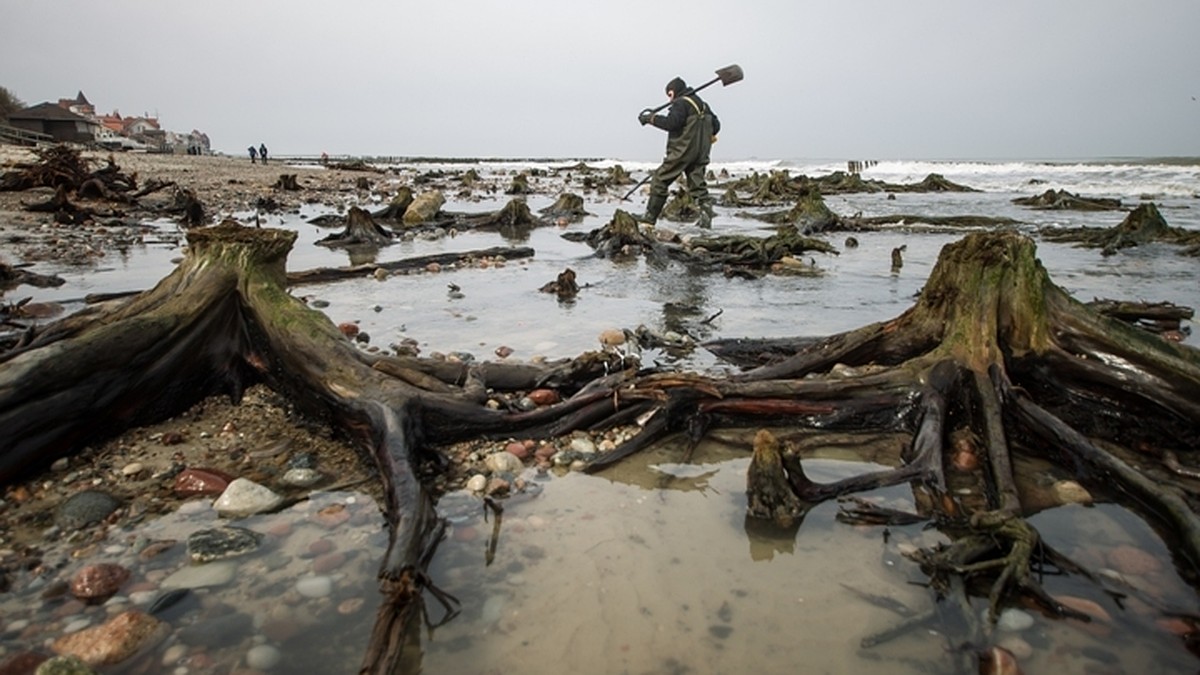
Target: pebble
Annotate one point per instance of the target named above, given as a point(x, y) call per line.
point(477, 483)
point(85, 508)
point(583, 446)
point(76, 625)
point(115, 640)
point(503, 462)
point(263, 657)
point(222, 542)
point(244, 498)
point(201, 481)
point(315, 587)
point(1013, 620)
point(172, 654)
point(1070, 492)
point(302, 477)
point(202, 576)
point(1133, 561)
point(98, 582)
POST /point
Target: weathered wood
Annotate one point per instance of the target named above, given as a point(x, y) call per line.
point(992, 350)
point(323, 274)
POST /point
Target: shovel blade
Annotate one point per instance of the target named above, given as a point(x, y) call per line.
point(730, 74)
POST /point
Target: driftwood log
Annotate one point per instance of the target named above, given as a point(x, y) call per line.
point(994, 360)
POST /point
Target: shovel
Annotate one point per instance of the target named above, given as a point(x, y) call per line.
point(726, 76)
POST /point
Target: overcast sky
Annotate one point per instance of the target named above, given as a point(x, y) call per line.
point(868, 79)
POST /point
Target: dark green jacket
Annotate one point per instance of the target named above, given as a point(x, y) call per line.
point(690, 125)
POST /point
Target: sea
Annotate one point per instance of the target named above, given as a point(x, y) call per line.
point(652, 567)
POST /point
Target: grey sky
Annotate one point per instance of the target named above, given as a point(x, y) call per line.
point(870, 79)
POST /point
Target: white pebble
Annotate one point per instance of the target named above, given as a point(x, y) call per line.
point(477, 483)
point(583, 446)
point(132, 469)
point(1014, 620)
point(263, 657)
point(315, 587)
point(173, 653)
point(76, 625)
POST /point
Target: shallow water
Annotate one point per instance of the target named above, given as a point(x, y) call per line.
point(650, 566)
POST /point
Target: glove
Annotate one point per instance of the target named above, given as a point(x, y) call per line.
point(646, 116)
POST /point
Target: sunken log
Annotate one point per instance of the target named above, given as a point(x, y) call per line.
point(378, 269)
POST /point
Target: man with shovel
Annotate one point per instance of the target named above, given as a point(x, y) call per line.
point(692, 128)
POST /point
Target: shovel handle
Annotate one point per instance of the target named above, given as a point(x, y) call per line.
point(635, 187)
point(689, 90)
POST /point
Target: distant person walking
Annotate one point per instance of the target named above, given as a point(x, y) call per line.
point(253, 154)
point(262, 152)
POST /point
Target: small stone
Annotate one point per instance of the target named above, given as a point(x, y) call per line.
point(315, 587)
point(328, 562)
point(95, 583)
point(333, 515)
point(1133, 561)
point(202, 576)
point(583, 446)
point(302, 477)
point(544, 396)
point(504, 352)
point(348, 329)
point(380, 274)
point(1085, 606)
point(320, 547)
point(132, 469)
point(1014, 620)
point(503, 462)
point(245, 498)
point(350, 606)
point(222, 542)
point(85, 508)
point(201, 481)
point(1070, 492)
point(114, 641)
point(477, 483)
point(263, 657)
point(517, 449)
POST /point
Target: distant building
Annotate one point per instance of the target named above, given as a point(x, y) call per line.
point(57, 122)
point(79, 105)
point(74, 120)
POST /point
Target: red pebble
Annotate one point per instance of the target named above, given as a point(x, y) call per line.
point(544, 396)
point(98, 582)
point(192, 482)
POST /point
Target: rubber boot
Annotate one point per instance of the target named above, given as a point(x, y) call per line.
point(654, 206)
point(706, 216)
